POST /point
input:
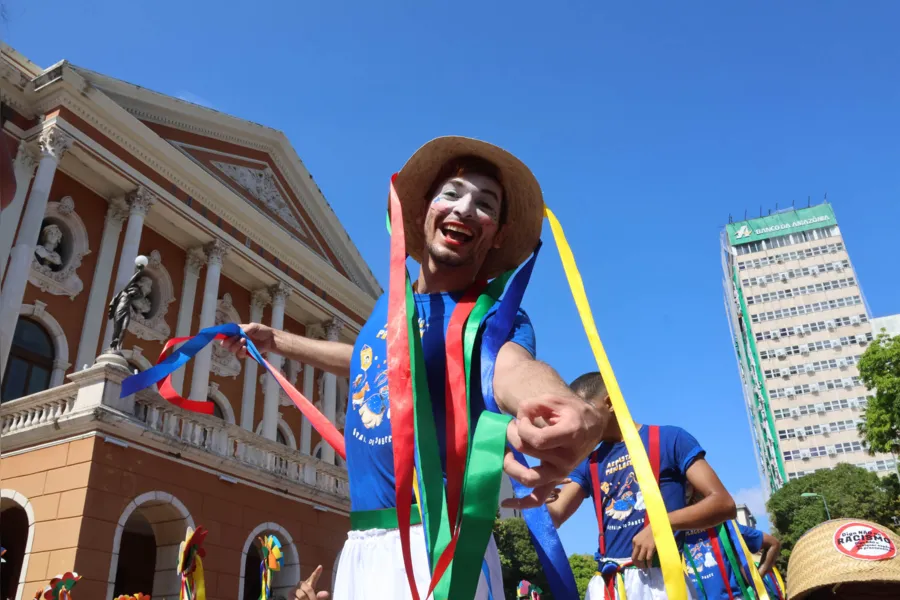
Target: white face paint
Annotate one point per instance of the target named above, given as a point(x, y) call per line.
point(463, 220)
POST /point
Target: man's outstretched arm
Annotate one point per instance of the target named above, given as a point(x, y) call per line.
point(552, 423)
point(332, 357)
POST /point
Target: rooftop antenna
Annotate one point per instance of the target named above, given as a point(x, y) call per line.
point(745, 214)
point(792, 205)
point(730, 219)
point(776, 208)
point(808, 201)
point(760, 211)
point(826, 197)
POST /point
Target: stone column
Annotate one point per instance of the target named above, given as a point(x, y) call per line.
point(139, 203)
point(332, 332)
point(309, 378)
point(95, 314)
point(258, 302)
point(54, 143)
point(279, 292)
point(192, 264)
point(215, 253)
point(24, 170)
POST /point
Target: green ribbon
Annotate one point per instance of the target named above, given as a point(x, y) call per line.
point(482, 485)
point(690, 560)
point(746, 592)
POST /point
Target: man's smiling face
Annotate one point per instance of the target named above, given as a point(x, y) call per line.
point(463, 221)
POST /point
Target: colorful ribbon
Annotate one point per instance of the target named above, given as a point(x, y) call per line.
point(190, 565)
point(669, 558)
point(544, 535)
point(272, 561)
point(192, 345)
point(60, 587)
point(747, 563)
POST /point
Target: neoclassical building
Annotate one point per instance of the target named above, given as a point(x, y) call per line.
point(235, 230)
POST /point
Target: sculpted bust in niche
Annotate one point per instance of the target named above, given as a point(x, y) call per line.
point(45, 252)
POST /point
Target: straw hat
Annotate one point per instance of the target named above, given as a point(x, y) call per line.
point(843, 551)
point(524, 201)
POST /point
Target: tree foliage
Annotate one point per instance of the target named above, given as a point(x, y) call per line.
point(518, 557)
point(879, 369)
point(584, 567)
point(850, 492)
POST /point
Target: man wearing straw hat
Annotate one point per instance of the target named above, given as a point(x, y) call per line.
point(470, 213)
point(845, 559)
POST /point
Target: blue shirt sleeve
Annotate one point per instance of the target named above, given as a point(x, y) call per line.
point(753, 538)
point(523, 333)
point(582, 476)
point(686, 448)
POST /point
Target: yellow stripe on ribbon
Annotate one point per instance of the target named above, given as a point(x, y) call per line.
point(620, 586)
point(669, 557)
point(761, 592)
point(780, 581)
point(199, 580)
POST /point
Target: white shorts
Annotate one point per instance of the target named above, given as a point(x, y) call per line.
point(371, 567)
point(640, 584)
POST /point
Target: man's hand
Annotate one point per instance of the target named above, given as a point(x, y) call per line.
point(307, 589)
point(263, 338)
point(571, 430)
point(643, 548)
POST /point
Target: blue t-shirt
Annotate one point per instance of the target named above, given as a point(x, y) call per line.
point(367, 429)
point(698, 544)
point(623, 503)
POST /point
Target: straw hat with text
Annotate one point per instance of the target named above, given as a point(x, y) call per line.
point(816, 562)
point(524, 200)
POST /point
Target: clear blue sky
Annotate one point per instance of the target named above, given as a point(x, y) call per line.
point(647, 124)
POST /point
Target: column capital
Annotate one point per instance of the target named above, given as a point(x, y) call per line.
point(333, 329)
point(140, 200)
point(280, 292)
point(54, 142)
point(194, 260)
point(25, 159)
point(116, 214)
point(259, 299)
point(215, 252)
point(315, 331)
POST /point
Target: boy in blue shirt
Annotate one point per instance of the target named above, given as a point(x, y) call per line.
point(708, 566)
point(626, 540)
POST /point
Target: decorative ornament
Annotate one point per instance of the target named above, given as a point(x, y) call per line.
point(190, 565)
point(60, 587)
point(138, 596)
point(272, 560)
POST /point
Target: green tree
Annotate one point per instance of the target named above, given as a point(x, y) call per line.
point(518, 557)
point(584, 567)
point(850, 492)
point(879, 369)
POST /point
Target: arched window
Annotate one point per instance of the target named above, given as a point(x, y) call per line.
point(30, 361)
point(217, 410)
point(279, 437)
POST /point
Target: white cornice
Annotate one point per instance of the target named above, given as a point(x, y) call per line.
point(152, 106)
point(101, 112)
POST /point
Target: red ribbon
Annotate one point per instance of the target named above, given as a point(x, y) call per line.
point(319, 422)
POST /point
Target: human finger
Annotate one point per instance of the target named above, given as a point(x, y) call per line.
point(313, 579)
point(562, 457)
point(536, 498)
point(322, 595)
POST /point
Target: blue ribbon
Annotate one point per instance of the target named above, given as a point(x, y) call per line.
point(544, 536)
point(487, 578)
point(182, 355)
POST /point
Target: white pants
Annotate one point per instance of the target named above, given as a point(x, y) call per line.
point(640, 584)
point(371, 567)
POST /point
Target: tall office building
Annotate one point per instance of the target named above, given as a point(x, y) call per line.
point(799, 323)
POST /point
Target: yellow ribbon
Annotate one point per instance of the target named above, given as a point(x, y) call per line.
point(761, 592)
point(620, 586)
point(199, 580)
point(669, 557)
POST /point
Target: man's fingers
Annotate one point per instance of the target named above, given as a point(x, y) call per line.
point(536, 498)
point(542, 475)
point(313, 579)
point(322, 595)
point(562, 457)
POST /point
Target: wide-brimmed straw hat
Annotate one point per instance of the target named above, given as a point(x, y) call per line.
point(843, 551)
point(523, 198)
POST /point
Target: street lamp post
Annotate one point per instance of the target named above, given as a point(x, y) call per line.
point(812, 495)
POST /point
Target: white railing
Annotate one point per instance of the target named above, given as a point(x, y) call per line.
point(232, 442)
point(38, 409)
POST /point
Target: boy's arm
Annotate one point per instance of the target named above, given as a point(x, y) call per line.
point(716, 507)
point(570, 498)
point(772, 548)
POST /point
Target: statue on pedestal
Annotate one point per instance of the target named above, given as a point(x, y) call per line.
point(46, 252)
point(135, 296)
